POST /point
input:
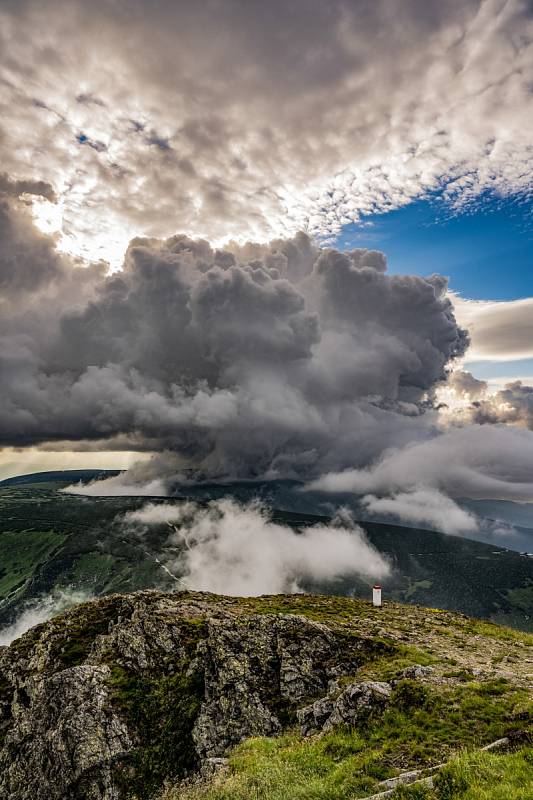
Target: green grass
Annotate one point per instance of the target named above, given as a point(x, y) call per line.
point(21, 553)
point(422, 727)
point(479, 776)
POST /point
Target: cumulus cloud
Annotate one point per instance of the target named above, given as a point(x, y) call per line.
point(465, 386)
point(260, 118)
point(40, 610)
point(512, 405)
point(231, 549)
point(466, 399)
point(423, 507)
point(264, 360)
point(475, 461)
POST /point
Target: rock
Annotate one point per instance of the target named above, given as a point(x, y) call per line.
point(416, 672)
point(212, 767)
point(126, 692)
point(353, 706)
point(64, 740)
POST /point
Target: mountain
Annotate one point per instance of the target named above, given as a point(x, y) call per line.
point(59, 476)
point(131, 695)
point(56, 548)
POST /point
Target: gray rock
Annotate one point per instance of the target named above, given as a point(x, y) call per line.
point(65, 733)
point(416, 672)
point(353, 706)
point(64, 740)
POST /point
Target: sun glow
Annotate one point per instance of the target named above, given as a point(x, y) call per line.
point(47, 216)
point(90, 241)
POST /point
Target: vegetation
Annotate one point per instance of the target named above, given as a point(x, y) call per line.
point(423, 726)
point(479, 776)
point(50, 540)
point(160, 706)
point(22, 554)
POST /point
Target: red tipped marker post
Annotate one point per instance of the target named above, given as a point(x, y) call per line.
point(376, 595)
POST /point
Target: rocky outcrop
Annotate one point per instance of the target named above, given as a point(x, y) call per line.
point(352, 706)
point(114, 697)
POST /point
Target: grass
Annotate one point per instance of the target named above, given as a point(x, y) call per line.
point(21, 553)
point(479, 776)
point(422, 727)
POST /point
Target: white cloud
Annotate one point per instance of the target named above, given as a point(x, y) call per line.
point(260, 118)
point(423, 507)
point(230, 549)
point(41, 610)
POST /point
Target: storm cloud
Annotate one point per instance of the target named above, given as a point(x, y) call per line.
point(261, 360)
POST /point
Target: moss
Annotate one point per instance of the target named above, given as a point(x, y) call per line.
point(80, 627)
point(160, 708)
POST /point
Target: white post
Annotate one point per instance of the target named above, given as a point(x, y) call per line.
point(376, 595)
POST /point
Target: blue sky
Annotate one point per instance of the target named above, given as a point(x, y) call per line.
point(486, 251)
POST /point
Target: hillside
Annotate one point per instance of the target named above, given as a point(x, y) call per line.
point(322, 697)
point(54, 543)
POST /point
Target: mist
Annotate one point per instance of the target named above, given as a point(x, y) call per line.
point(40, 610)
point(231, 549)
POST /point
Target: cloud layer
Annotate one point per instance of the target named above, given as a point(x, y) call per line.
point(500, 331)
point(257, 118)
point(474, 461)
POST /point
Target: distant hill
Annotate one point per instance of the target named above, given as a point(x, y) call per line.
point(54, 543)
point(64, 475)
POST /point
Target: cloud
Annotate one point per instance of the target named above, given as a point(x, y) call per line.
point(423, 507)
point(512, 405)
point(17, 188)
point(261, 118)
point(499, 330)
point(261, 360)
point(468, 400)
point(41, 610)
point(475, 461)
point(231, 549)
point(466, 386)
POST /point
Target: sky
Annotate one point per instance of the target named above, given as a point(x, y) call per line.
point(486, 252)
point(282, 239)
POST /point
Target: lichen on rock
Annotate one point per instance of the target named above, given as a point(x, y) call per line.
point(112, 698)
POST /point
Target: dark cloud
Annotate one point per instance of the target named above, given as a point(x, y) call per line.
point(16, 188)
point(257, 359)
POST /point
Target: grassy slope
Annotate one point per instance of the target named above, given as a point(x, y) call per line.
point(480, 689)
point(22, 554)
point(456, 711)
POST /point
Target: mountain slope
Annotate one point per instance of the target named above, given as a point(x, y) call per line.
point(57, 545)
point(113, 698)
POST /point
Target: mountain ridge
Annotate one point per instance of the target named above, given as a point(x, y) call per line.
point(115, 697)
